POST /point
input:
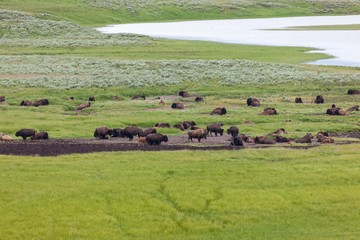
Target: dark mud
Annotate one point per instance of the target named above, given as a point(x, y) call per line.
point(55, 147)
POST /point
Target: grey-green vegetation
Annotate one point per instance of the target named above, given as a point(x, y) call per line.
point(47, 51)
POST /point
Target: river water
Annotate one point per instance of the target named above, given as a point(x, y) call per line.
point(343, 45)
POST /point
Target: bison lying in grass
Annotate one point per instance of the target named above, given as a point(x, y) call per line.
point(219, 111)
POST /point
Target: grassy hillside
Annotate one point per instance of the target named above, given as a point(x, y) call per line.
point(246, 194)
point(97, 13)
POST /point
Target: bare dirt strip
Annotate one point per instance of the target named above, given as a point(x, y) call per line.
point(55, 147)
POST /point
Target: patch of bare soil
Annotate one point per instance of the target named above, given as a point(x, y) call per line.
point(55, 147)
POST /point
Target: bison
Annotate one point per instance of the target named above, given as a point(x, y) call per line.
point(319, 99)
point(353, 108)
point(2, 98)
point(4, 137)
point(25, 133)
point(353, 91)
point(219, 111)
point(324, 139)
point(253, 102)
point(40, 135)
point(41, 102)
point(233, 131)
point(141, 140)
point(198, 133)
point(162, 125)
point(264, 140)
point(70, 98)
point(83, 106)
point(298, 100)
point(156, 139)
point(177, 105)
point(132, 131)
point(26, 103)
point(215, 128)
point(179, 126)
point(117, 132)
point(184, 94)
point(102, 132)
point(278, 132)
point(199, 99)
point(237, 141)
point(282, 139)
point(188, 124)
point(306, 139)
point(149, 131)
point(269, 112)
point(92, 98)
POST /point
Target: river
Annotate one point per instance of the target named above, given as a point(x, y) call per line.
point(343, 45)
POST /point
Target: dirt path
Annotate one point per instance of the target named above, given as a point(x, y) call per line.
point(55, 147)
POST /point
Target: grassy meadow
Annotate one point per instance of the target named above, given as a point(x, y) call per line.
point(51, 51)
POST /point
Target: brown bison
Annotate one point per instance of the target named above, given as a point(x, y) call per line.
point(219, 111)
point(26, 103)
point(199, 99)
point(324, 139)
point(2, 98)
point(215, 128)
point(177, 105)
point(253, 102)
point(264, 140)
point(40, 136)
point(282, 139)
point(198, 133)
point(149, 131)
point(141, 141)
point(237, 141)
point(156, 139)
point(269, 112)
point(162, 125)
point(298, 100)
point(233, 131)
point(130, 132)
point(25, 133)
point(138, 97)
point(353, 91)
point(184, 94)
point(83, 106)
point(306, 139)
point(179, 126)
point(353, 108)
point(4, 137)
point(41, 102)
point(102, 132)
point(116, 132)
point(188, 124)
point(92, 98)
point(319, 99)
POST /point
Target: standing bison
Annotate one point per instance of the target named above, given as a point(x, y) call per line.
point(233, 131)
point(219, 111)
point(132, 131)
point(215, 128)
point(198, 133)
point(102, 132)
point(253, 102)
point(156, 139)
point(25, 133)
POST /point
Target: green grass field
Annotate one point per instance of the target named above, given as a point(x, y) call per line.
point(246, 194)
point(48, 50)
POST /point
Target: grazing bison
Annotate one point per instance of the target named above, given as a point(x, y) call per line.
point(188, 124)
point(117, 132)
point(82, 106)
point(177, 105)
point(215, 128)
point(149, 131)
point(26, 103)
point(253, 102)
point(319, 99)
point(237, 141)
point(138, 97)
point(40, 135)
point(70, 98)
point(25, 133)
point(298, 100)
point(269, 111)
point(92, 98)
point(264, 140)
point(184, 94)
point(102, 132)
point(353, 91)
point(41, 102)
point(219, 111)
point(132, 131)
point(233, 131)
point(179, 126)
point(156, 139)
point(162, 125)
point(282, 139)
point(306, 139)
point(198, 133)
point(199, 99)
point(2, 98)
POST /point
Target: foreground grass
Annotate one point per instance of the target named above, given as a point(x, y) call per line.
point(246, 194)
